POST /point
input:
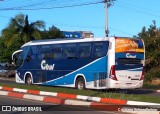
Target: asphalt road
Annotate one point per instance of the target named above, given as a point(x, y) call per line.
point(9, 101)
point(125, 91)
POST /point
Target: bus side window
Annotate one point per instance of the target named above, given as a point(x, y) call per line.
point(69, 51)
point(56, 51)
point(28, 58)
point(84, 50)
point(43, 52)
point(100, 49)
point(32, 54)
point(35, 50)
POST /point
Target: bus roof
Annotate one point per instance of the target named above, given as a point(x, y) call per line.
point(69, 40)
point(64, 40)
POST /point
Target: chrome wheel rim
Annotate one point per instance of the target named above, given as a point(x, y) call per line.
point(80, 85)
point(29, 81)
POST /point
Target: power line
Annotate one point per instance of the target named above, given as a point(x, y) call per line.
point(118, 30)
point(86, 27)
point(12, 3)
point(93, 27)
point(142, 10)
point(56, 7)
point(33, 4)
point(132, 5)
point(4, 16)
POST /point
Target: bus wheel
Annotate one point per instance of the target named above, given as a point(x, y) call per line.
point(28, 80)
point(80, 83)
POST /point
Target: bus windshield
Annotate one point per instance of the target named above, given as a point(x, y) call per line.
point(17, 58)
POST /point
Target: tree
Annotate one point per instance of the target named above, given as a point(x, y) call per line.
point(6, 52)
point(20, 31)
point(19, 27)
point(151, 37)
point(52, 33)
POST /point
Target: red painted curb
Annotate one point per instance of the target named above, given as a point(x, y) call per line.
point(7, 88)
point(60, 101)
point(33, 92)
point(67, 96)
point(54, 100)
point(17, 95)
point(113, 101)
point(105, 107)
point(72, 96)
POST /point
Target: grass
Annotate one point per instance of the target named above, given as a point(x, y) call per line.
point(94, 93)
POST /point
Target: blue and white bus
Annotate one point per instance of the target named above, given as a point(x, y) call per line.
point(91, 63)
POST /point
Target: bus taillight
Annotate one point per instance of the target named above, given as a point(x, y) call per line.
point(113, 73)
point(142, 76)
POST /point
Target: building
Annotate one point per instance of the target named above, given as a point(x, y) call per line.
point(78, 34)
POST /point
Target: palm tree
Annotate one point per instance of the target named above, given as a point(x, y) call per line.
point(19, 27)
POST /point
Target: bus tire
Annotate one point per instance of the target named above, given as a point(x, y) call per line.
point(28, 79)
point(80, 83)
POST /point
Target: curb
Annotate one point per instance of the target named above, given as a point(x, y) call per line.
point(158, 91)
point(60, 101)
point(70, 96)
point(66, 96)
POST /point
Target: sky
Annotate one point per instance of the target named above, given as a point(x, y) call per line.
point(125, 17)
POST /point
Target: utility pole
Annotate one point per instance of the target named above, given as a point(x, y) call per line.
point(106, 18)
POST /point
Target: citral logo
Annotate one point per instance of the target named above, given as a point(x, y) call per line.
point(45, 66)
point(128, 55)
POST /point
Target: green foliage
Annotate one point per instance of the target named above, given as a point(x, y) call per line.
point(151, 37)
point(152, 73)
point(20, 31)
point(20, 28)
point(52, 33)
point(6, 52)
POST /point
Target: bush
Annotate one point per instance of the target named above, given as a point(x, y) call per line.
point(153, 73)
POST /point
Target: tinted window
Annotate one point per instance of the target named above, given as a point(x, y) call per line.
point(19, 59)
point(32, 54)
point(24, 50)
point(44, 52)
point(84, 50)
point(69, 51)
point(100, 49)
point(56, 51)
